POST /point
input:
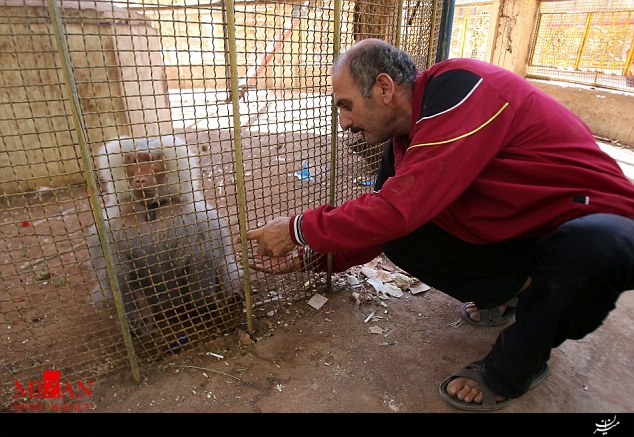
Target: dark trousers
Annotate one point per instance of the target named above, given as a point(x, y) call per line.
point(577, 271)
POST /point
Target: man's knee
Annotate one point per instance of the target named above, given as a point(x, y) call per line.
point(595, 250)
point(599, 236)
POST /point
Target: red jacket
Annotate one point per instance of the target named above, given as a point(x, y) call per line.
point(489, 158)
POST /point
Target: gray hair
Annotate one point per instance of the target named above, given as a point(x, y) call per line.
point(370, 57)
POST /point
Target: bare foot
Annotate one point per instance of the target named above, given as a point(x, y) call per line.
point(467, 390)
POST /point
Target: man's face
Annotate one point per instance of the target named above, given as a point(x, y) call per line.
point(368, 116)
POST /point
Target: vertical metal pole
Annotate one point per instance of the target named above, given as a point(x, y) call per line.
point(584, 39)
point(533, 43)
point(80, 129)
point(225, 38)
point(630, 56)
point(444, 38)
point(399, 23)
point(431, 56)
point(333, 136)
point(242, 215)
point(463, 35)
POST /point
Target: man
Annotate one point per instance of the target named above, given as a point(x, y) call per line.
point(490, 191)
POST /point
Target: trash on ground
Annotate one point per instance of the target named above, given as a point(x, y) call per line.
point(369, 272)
point(353, 281)
point(389, 289)
point(402, 281)
point(376, 330)
point(367, 319)
point(305, 174)
point(317, 301)
point(419, 288)
point(361, 180)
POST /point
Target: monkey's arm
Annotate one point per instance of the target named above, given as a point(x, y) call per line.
point(214, 234)
point(134, 303)
point(102, 291)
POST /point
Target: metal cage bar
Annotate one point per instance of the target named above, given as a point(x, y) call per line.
point(71, 89)
point(243, 83)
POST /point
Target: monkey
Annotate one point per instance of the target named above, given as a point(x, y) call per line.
point(173, 253)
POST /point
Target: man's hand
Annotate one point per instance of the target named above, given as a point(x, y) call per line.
point(273, 238)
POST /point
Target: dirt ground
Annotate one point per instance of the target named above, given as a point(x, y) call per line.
point(387, 355)
point(332, 360)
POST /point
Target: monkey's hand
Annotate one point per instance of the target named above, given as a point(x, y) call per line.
point(274, 238)
point(292, 262)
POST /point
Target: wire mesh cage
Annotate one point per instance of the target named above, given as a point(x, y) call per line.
point(585, 41)
point(138, 143)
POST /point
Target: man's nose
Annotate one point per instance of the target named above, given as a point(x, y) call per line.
point(345, 122)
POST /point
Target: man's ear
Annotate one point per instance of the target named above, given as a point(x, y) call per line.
point(386, 87)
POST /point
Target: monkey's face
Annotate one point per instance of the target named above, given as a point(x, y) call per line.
point(147, 175)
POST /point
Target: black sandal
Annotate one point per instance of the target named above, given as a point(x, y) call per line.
point(473, 371)
point(491, 316)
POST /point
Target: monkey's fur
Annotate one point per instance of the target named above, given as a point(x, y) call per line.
point(173, 254)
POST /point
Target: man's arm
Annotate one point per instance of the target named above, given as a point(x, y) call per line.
point(276, 254)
